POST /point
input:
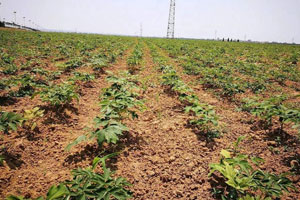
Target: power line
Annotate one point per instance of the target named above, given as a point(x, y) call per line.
point(171, 22)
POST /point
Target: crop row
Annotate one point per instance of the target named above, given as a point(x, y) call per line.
point(136, 58)
point(204, 116)
point(35, 81)
point(239, 170)
point(238, 69)
point(117, 101)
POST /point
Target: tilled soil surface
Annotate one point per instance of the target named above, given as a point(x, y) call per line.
point(37, 160)
point(171, 161)
point(161, 156)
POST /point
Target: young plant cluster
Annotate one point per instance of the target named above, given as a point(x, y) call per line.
point(88, 185)
point(136, 58)
point(116, 101)
point(107, 55)
point(84, 77)
point(21, 86)
point(59, 95)
point(10, 121)
point(71, 64)
point(31, 117)
point(244, 181)
point(235, 68)
point(204, 116)
point(24, 63)
point(7, 64)
point(272, 108)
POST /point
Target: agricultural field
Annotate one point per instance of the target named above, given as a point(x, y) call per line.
point(88, 116)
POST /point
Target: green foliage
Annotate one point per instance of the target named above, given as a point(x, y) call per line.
point(205, 117)
point(73, 63)
point(231, 69)
point(99, 63)
point(257, 86)
point(242, 179)
point(89, 185)
point(31, 117)
point(273, 107)
point(120, 97)
point(6, 58)
point(135, 59)
point(171, 79)
point(137, 56)
point(237, 143)
point(78, 76)
point(217, 78)
point(293, 58)
point(107, 130)
point(54, 75)
point(191, 68)
point(2, 158)
point(10, 69)
point(59, 192)
point(70, 64)
point(27, 85)
point(9, 121)
point(63, 50)
point(249, 197)
point(4, 84)
point(58, 95)
point(117, 100)
point(40, 71)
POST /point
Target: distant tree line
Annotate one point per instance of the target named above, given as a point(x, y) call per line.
point(230, 40)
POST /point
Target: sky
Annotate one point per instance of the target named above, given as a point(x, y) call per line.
point(258, 20)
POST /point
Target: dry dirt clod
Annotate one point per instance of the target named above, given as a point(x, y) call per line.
point(151, 173)
point(171, 159)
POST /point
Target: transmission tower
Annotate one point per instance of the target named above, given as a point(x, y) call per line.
point(171, 23)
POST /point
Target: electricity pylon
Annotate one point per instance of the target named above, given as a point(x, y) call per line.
point(171, 23)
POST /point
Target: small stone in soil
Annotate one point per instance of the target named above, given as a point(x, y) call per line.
point(151, 173)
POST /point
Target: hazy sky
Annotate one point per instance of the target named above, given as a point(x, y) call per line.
point(262, 20)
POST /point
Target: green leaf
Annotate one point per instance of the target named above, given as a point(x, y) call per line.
point(56, 192)
point(33, 126)
point(257, 160)
point(238, 141)
point(225, 153)
point(77, 141)
point(106, 174)
point(12, 126)
point(95, 162)
point(15, 198)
